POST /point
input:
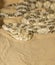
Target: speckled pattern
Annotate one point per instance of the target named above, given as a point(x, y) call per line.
point(38, 17)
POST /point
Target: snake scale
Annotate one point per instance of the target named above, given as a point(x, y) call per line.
point(38, 18)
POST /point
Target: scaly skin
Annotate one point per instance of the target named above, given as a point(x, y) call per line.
point(38, 16)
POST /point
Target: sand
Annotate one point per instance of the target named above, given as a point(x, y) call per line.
point(38, 51)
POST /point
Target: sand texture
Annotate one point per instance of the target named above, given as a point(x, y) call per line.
point(38, 51)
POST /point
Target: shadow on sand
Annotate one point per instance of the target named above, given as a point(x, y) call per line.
point(1, 6)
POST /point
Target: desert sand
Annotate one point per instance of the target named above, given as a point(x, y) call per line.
point(38, 51)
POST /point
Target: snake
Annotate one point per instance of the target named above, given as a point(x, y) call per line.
point(38, 18)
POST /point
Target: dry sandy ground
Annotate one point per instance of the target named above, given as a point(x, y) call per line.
point(38, 51)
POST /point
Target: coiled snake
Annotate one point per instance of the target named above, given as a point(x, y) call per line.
point(38, 16)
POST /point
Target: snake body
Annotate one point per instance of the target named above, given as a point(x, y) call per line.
point(38, 17)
